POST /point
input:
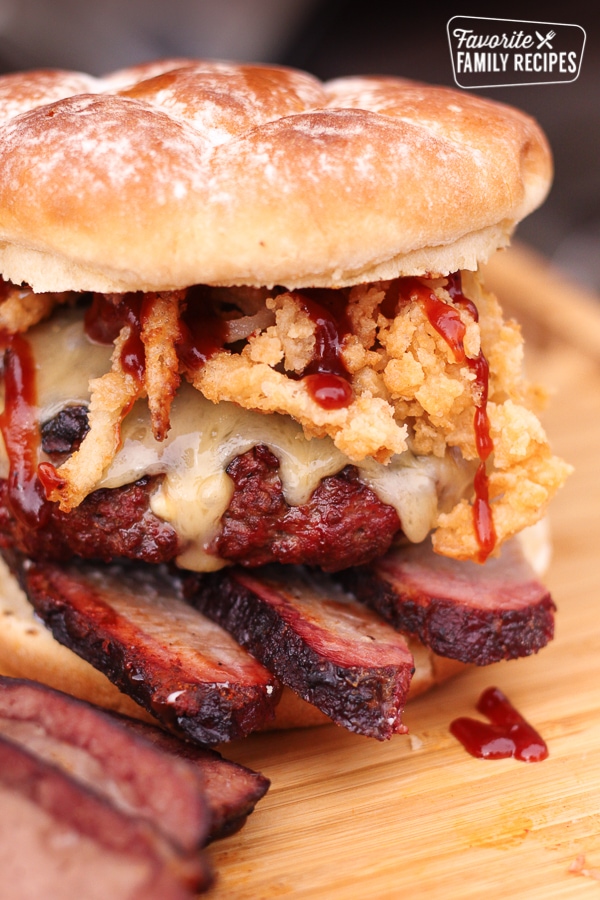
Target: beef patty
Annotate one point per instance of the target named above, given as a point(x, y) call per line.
point(343, 523)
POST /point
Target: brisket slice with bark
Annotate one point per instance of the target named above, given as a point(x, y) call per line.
point(132, 624)
point(231, 790)
point(331, 650)
point(102, 753)
point(137, 625)
point(473, 613)
point(189, 793)
point(59, 839)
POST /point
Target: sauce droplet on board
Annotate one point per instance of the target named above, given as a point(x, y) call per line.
point(507, 734)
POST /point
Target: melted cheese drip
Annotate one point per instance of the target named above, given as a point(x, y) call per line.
point(205, 437)
point(65, 362)
point(203, 440)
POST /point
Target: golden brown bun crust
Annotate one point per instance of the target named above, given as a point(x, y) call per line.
point(184, 172)
point(28, 650)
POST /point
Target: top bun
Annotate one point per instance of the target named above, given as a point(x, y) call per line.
point(182, 172)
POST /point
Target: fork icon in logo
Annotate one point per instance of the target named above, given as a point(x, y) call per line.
point(545, 41)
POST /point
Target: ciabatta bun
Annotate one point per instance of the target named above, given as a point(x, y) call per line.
point(164, 176)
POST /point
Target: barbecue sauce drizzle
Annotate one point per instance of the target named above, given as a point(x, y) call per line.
point(20, 430)
point(447, 322)
point(326, 378)
point(201, 331)
point(104, 320)
point(202, 334)
point(508, 735)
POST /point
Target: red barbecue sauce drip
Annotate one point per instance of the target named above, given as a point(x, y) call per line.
point(447, 322)
point(20, 430)
point(105, 319)
point(49, 478)
point(202, 332)
point(508, 735)
point(133, 352)
point(326, 377)
point(103, 322)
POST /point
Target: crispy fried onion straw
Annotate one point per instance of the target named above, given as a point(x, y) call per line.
point(160, 332)
point(113, 395)
point(20, 308)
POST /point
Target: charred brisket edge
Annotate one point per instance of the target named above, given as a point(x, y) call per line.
point(210, 797)
point(258, 627)
point(124, 756)
point(467, 634)
point(228, 813)
point(205, 713)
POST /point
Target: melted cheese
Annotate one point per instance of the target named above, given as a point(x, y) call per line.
point(65, 362)
point(205, 437)
point(418, 487)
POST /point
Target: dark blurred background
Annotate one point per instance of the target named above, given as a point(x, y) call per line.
point(338, 37)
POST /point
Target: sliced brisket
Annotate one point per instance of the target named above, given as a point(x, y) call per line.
point(316, 639)
point(132, 624)
point(470, 612)
point(189, 793)
point(232, 790)
point(59, 839)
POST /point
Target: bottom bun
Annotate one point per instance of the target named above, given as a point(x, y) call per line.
point(28, 650)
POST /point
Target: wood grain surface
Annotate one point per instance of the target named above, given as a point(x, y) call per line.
point(347, 817)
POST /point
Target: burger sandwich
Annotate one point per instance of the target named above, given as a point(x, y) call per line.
point(263, 426)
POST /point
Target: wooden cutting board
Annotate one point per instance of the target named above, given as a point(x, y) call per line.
point(347, 817)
